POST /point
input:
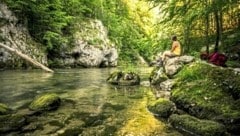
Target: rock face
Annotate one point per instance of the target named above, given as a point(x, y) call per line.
point(91, 47)
point(16, 35)
point(124, 78)
point(45, 102)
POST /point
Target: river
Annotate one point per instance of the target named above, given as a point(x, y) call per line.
point(90, 106)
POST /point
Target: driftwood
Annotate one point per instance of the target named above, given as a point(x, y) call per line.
point(25, 57)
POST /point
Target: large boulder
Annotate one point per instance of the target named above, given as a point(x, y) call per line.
point(210, 92)
point(45, 102)
point(162, 107)
point(196, 127)
point(91, 47)
point(173, 65)
point(124, 78)
point(168, 68)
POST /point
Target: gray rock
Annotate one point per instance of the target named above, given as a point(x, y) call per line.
point(237, 71)
point(167, 85)
point(173, 65)
point(16, 36)
point(157, 76)
point(91, 47)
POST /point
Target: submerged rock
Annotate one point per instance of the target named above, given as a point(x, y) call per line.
point(195, 126)
point(45, 102)
point(162, 108)
point(11, 122)
point(4, 109)
point(124, 78)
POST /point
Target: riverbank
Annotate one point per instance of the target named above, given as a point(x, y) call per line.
point(206, 92)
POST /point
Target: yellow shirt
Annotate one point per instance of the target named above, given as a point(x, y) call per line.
point(176, 48)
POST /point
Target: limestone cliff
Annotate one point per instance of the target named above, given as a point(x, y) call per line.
point(91, 47)
point(16, 35)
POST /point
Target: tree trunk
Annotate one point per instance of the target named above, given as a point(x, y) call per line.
point(207, 33)
point(25, 57)
point(217, 30)
point(221, 41)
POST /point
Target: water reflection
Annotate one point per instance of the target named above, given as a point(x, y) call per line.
point(90, 106)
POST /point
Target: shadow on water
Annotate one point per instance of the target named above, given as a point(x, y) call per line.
point(90, 106)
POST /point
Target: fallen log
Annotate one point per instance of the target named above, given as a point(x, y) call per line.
point(25, 57)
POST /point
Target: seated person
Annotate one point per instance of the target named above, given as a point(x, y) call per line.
point(175, 50)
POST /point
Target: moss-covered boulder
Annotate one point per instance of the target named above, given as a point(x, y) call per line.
point(45, 102)
point(11, 122)
point(162, 107)
point(157, 76)
point(124, 78)
point(4, 109)
point(195, 126)
point(209, 92)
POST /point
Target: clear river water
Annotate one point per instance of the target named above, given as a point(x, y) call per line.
point(90, 106)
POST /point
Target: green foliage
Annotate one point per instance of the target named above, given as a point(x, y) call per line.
point(136, 27)
point(195, 21)
point(52, 23)
point(45, 19)
point(126, 29)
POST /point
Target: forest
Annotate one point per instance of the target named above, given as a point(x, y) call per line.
point(103, 74)
point(137, 27)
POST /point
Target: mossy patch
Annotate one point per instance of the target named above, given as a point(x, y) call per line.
point(204, 91)
point(162, 107)
point(194, 126)
point(45, 102)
